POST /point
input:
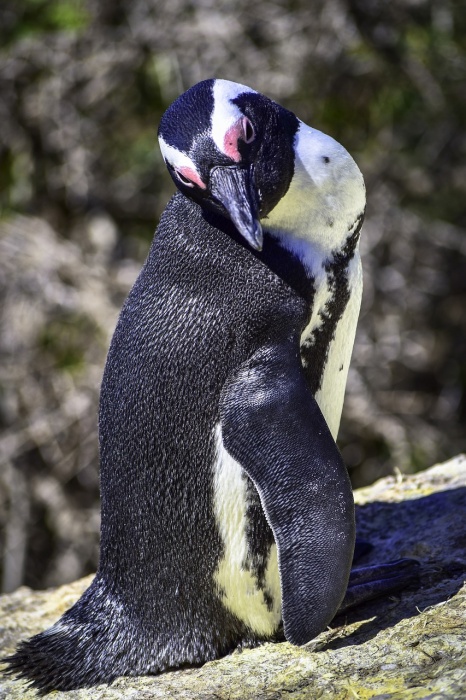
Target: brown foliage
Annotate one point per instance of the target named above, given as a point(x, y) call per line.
point(82, 87)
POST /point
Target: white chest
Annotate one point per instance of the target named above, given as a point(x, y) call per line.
point(259, 607)
point(318, 220)
point(328, 339)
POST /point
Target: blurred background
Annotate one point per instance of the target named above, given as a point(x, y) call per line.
point(83, 84)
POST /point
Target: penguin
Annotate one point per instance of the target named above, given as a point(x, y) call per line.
point(227, 510)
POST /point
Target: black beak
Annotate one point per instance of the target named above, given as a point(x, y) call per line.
point(232, 186)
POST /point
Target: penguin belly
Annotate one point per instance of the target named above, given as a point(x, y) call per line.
point(247, 575)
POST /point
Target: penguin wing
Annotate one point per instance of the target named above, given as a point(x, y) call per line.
point(273, 427)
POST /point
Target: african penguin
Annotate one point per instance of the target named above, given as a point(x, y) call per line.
point(227, 512)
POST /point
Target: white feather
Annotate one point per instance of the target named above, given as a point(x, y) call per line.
point(176, 158)
point(225, 113)
point(313, 220)
point(331, 394)
point(323, 201)
point(238, 586)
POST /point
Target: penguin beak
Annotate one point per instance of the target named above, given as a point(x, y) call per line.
point(232, 186)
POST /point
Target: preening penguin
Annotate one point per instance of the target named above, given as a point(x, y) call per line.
point(226, 507)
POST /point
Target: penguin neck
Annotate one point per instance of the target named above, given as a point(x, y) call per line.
point(281, 261)
point(321, 213)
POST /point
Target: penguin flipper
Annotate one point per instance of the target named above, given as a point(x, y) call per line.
point(272, 426)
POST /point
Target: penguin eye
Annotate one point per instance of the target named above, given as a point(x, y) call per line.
point(248, 130)
point(183, 179)
point(186, 175)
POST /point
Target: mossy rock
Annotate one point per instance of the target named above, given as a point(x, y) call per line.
point(406, 647)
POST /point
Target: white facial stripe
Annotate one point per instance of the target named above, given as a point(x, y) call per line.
point(225, 113)
point(175, 157)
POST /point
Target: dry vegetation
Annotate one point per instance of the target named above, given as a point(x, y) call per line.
point(82, 87)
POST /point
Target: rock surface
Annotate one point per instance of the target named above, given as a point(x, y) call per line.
point(409, 647)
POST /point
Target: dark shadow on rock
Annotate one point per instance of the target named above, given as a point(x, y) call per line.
point(431, 529)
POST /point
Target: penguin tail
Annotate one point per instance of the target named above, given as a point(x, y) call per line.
point(46, 661)
point(90, 644)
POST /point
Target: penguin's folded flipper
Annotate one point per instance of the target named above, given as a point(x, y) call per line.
point(272, 426)
point(369, 582)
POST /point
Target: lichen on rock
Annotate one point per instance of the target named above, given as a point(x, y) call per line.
point(407, 647)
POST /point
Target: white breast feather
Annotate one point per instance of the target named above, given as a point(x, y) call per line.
point(313, 220)
point(237, 586)
point(331, 394)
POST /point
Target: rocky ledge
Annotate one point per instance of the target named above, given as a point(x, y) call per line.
point(406, 647)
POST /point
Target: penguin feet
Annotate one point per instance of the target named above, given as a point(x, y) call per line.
point(369, 582)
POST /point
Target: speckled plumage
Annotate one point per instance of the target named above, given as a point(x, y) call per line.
point(225, 503)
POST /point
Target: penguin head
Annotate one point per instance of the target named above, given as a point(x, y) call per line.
point(231, 150)
point(241, 155)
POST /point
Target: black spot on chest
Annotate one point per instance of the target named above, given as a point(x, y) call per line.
point(260, 539)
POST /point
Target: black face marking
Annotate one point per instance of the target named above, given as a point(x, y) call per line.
point(326, 159)
point(314, 352)
point(273, 148)
point(196, 106)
